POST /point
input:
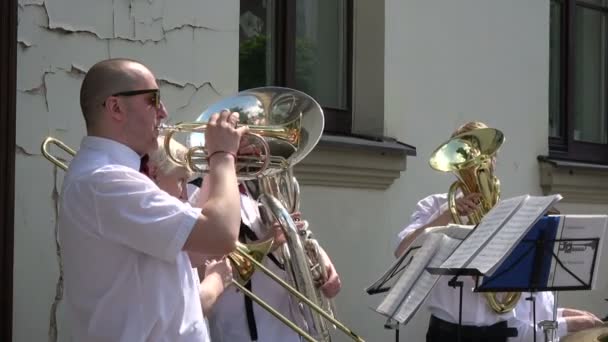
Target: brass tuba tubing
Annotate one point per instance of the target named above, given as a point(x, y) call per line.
point(303, 298)
point(306, 290)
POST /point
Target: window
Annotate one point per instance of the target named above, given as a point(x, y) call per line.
point(305, 45)
point(578, 81)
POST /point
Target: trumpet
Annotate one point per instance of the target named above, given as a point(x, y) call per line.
point(284, 126)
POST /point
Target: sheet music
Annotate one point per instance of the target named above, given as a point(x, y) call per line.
point(491, 222)
point(425, 283)
point(577, 256)
point(511, 232)
point(456, 231)
point(402, 262)
point(423, 256)
point(452, 230)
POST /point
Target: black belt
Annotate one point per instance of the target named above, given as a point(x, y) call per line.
point(439, 327)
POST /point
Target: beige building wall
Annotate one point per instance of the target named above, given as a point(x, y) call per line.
point(448, 62)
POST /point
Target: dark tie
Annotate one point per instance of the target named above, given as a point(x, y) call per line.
point(242, 189)
point(143, 166)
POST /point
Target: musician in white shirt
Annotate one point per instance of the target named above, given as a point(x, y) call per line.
point(127, 275)
point(443, 301)
point(231, 320)
point(174, 179)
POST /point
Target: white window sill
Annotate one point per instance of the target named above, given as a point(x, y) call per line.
point(352, 162)
point(577, 182)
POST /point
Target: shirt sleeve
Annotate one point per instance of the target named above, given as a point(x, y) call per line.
point(426, 211)
point(132, 210)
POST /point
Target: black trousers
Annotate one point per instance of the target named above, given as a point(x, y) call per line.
point(442, 331)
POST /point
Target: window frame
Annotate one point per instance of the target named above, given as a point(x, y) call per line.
point(337, 121)
point(566, 147)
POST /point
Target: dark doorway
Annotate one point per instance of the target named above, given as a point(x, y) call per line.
point(8, 89)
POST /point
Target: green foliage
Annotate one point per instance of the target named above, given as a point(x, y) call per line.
point(252, 63)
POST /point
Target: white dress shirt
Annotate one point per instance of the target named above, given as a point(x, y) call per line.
point(127, 278)
point(228, 319)
point(444, 300)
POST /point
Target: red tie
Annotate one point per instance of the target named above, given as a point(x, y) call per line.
point(242, 189)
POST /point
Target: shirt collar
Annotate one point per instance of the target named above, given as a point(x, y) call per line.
point(119, 153)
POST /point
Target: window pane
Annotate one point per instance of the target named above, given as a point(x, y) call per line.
point(590, 76)
point(256, 43)
point(321, 44)
point(555, 96)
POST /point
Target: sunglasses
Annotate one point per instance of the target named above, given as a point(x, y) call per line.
point(155, 92)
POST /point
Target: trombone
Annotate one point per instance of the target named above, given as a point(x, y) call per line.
point(44, 148)
point(246, 258)
point(285, 125)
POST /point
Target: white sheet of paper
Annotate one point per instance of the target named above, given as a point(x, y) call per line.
point(577, 256)
point(395, 296)
point(425, 283)
point(511, 233)
point(489, 225)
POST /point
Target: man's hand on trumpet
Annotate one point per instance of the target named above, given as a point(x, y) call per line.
point(222, 135)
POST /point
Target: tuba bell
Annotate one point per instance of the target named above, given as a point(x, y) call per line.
point(470, 157)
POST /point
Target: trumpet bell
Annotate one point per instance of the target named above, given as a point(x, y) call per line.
point(290, 121)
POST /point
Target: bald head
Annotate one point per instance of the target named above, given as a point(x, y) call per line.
point(105, 78)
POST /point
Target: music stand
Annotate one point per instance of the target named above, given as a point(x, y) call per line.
point(538, 264)
point(542, 260)
point(454, 282)
point(414, 284)
point(380, 286)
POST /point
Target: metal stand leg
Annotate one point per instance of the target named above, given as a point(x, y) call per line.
point(454, 282)
point(550, 327)
point(532, 298)
point(393, 325)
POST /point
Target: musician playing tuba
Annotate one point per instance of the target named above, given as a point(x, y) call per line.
point(478, 319)
point(234, 317)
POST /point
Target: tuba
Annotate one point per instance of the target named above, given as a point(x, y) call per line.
point(301, 253)
point(284, 126)
point(469, 156)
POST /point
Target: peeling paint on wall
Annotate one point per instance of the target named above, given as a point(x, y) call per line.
point(197, 54)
